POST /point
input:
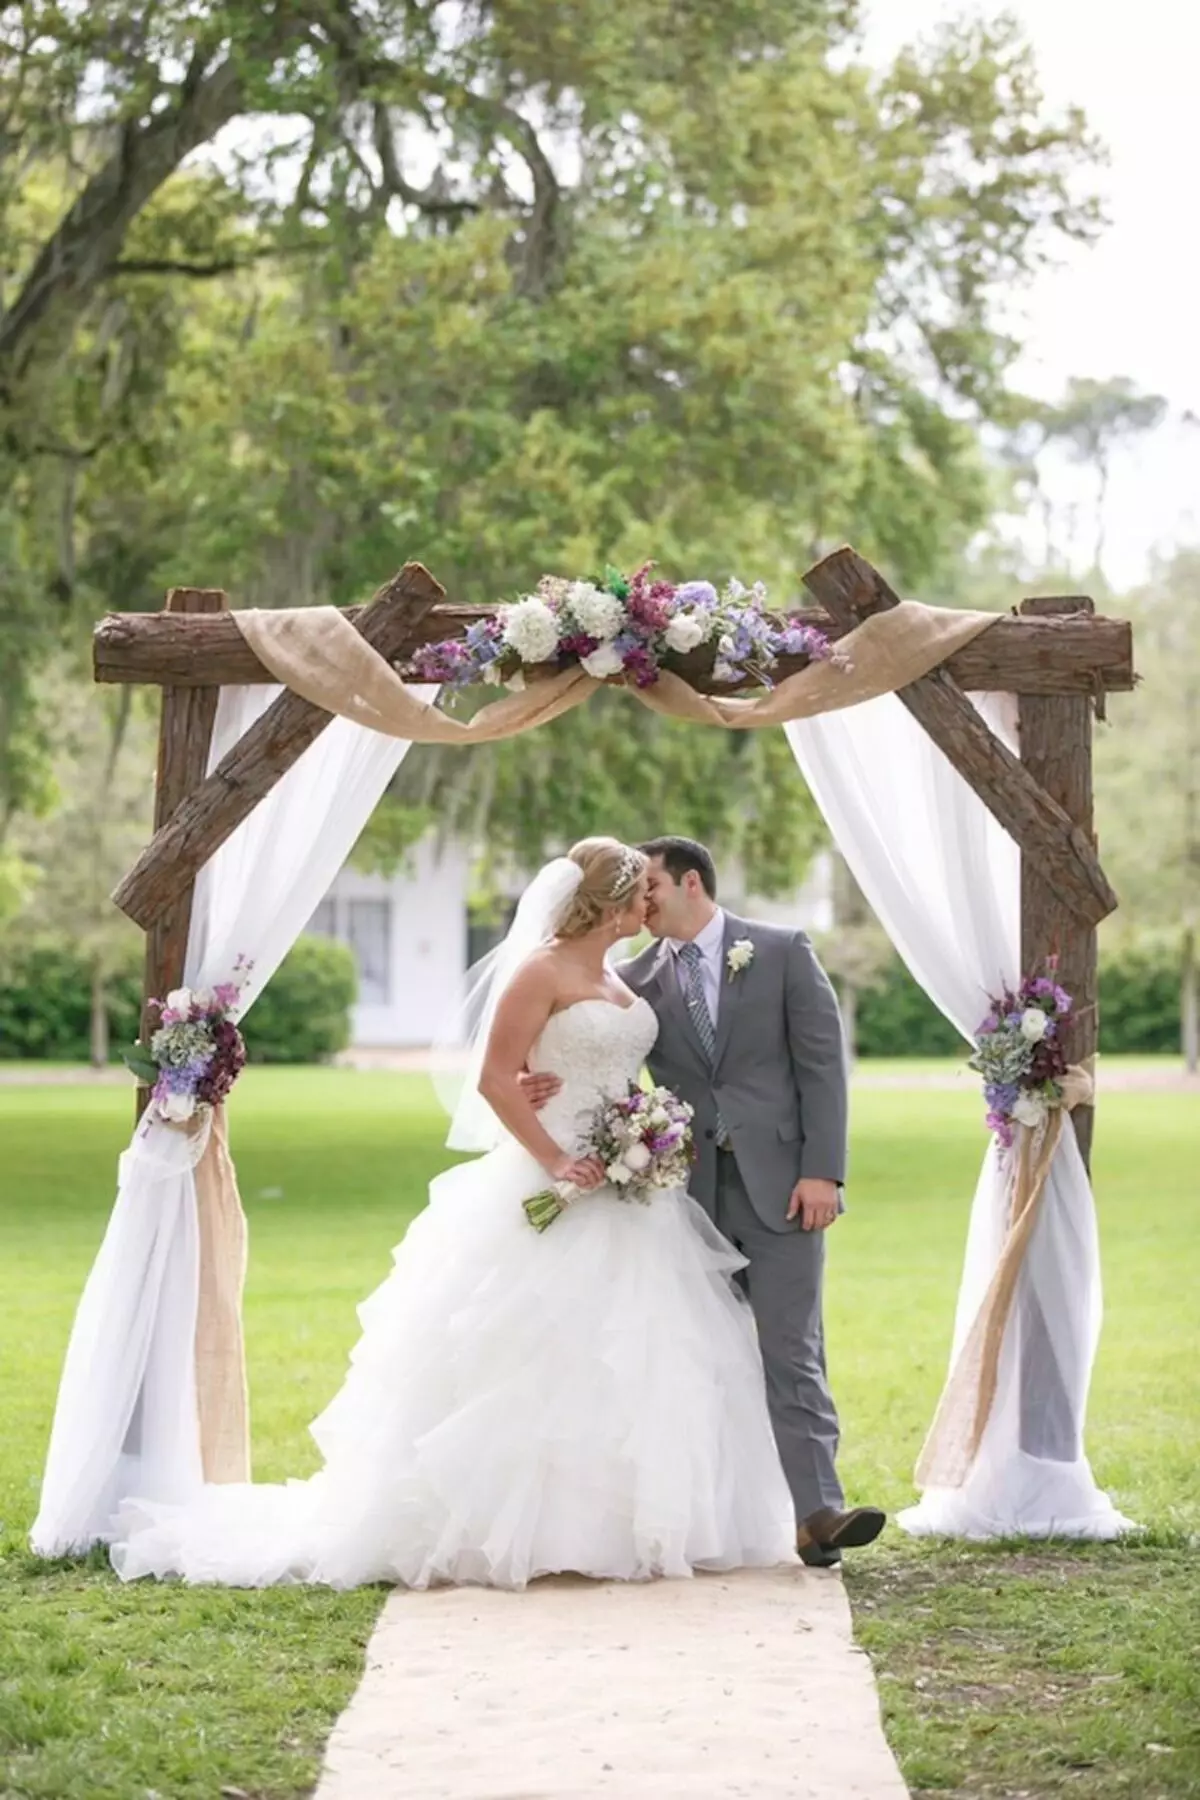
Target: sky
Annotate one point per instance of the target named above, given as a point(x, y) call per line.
point(1128, 305)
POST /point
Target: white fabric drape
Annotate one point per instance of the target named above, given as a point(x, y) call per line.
point(125, 1421)
point(944, 879)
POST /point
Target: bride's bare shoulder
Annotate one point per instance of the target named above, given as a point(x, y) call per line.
point(540, 973)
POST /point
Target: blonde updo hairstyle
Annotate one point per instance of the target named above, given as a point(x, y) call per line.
point(611, 871)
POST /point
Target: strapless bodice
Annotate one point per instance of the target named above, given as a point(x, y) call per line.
point(596, 1048)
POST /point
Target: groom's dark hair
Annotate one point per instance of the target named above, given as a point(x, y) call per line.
point(678, 855)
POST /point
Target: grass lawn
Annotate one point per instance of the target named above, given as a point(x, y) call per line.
point(1015, 1671)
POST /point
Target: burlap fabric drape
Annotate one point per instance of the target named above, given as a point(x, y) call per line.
point(222, 1402)
point(317, 653)
point(966, 1403)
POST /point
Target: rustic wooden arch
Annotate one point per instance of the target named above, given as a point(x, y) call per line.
point(1057, 656)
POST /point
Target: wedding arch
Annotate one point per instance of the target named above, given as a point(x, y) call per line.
point(952, 758)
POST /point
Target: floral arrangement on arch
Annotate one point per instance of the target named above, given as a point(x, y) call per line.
point(1019, 1053)
point(196, 1054)
point(632, 626)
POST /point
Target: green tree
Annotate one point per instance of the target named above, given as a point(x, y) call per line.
point(1092, 421)
point(512, 288)
point(1148, 778)
point(103, 767)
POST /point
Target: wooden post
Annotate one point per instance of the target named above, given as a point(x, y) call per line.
point(1056, 748)
point(184, 736)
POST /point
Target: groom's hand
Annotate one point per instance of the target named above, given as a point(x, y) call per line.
point(814, 1203)
point(538, 1089)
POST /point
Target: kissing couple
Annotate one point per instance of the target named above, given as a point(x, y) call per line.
point(636, 1390)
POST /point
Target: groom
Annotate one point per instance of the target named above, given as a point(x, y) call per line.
point(750, 1036)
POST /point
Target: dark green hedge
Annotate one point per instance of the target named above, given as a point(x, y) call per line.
point(303, 1014)
point(1139, 1009)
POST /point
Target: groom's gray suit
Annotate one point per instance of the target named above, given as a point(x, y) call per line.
point(776, 1084)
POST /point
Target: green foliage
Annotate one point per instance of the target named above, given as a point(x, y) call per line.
point(895, 1017)
point(613, 767)
point(1139, 1008)
point(303, 1013)
point(46, 998)
point(731, 299)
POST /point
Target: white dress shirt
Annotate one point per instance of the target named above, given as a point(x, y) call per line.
point(710, 942)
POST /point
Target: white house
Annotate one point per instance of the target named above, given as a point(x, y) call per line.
point(411, 933)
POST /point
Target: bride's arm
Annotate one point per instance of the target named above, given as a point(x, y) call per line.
point(521, 1016)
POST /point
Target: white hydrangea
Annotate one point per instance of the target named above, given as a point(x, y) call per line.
point(532, 630)
point(685, 632)
point(1030, 1109)
point(599, 614)
point(603, 662)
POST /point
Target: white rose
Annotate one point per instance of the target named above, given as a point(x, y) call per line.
point(603, 662)
point(1033, 1024)
point(1030, 1110)
point(684, 632)
point(619, 1172)
point(177, 1108)
point(516, 683)
point(532, 630)
point(637, 1158)
point(179, 999)
point(204, 998)
point(491, 674)
point(601, 615)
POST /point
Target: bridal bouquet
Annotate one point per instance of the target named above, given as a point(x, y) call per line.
point(1019, 1053)
point(644, 1141)
point(195, 1056)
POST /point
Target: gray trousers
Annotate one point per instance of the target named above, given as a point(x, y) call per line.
point(783, 1281)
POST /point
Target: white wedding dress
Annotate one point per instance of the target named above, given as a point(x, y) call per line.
point(588, 1399)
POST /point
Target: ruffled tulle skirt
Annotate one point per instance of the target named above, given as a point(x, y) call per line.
point(589, 1399)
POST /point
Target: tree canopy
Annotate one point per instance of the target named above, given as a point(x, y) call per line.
point(296, 292)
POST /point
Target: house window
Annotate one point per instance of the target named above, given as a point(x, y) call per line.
point(368, 932)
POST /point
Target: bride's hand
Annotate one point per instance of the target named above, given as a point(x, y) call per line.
point(583, 1172)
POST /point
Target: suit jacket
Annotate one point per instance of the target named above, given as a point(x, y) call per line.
point(778, 1075)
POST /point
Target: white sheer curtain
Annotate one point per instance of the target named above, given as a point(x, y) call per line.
point(125, 1422)
point(944, 879)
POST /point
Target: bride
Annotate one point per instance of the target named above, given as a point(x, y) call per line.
point(587, 1399)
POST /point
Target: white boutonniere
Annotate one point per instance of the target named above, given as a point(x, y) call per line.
point(740, 956)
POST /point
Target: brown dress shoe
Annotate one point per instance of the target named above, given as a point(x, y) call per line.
point(827, 1531)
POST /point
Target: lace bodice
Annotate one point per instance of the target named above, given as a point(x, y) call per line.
point(597, 1048)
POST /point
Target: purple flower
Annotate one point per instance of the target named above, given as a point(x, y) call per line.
point(580, 645)
point(693, 594)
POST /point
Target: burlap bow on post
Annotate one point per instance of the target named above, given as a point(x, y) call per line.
point(965, 1407)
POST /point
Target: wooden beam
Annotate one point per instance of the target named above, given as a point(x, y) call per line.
point(1077, 654)
point(850, 588)
point(184, 736)
point(198, 826)
point(1056, 748)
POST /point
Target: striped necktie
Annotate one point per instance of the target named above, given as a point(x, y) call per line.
point(692, 958)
